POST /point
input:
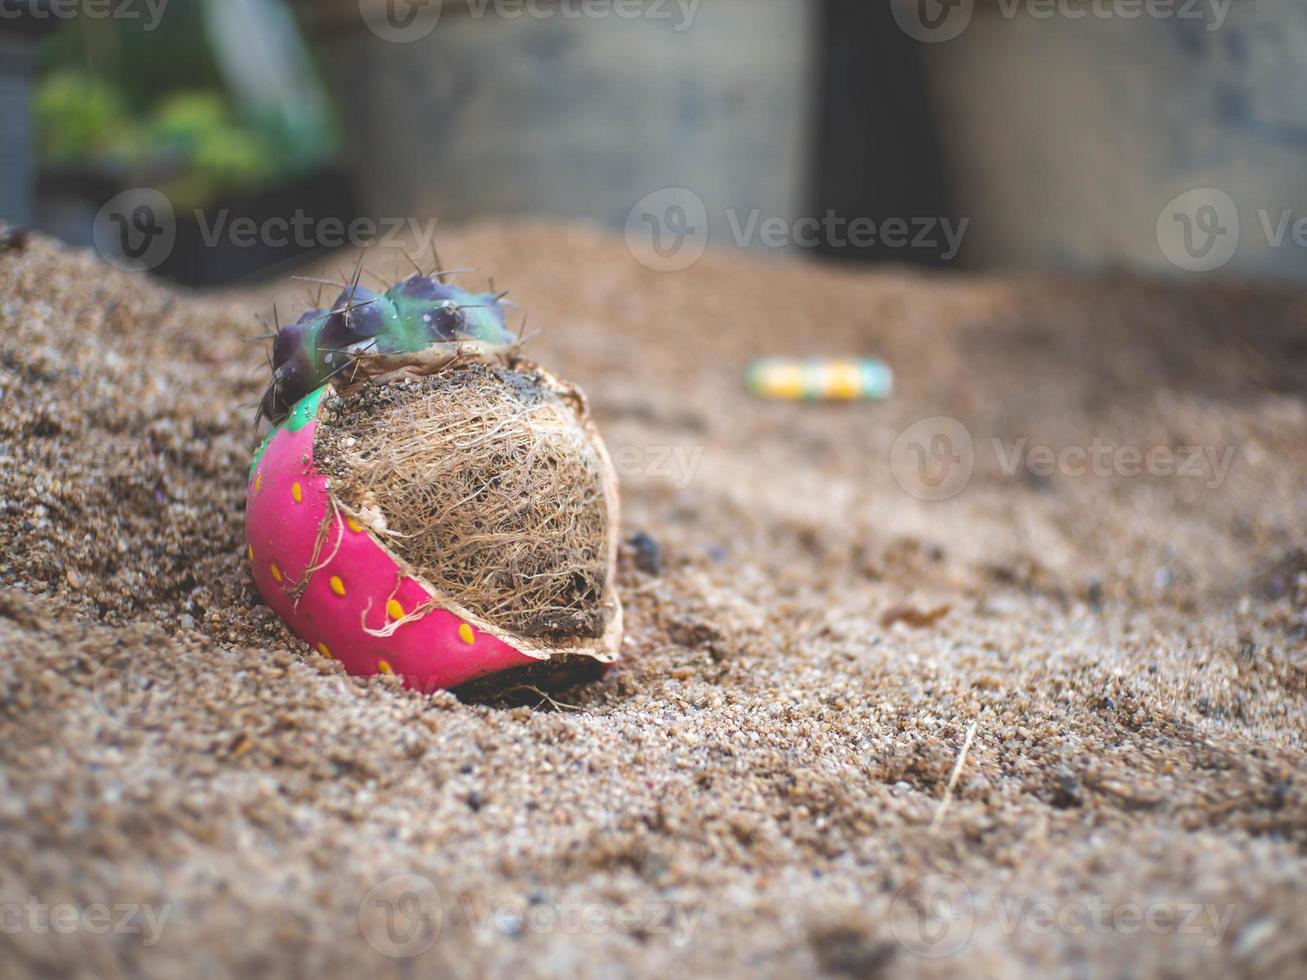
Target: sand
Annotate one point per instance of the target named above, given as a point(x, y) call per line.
point(759, 787)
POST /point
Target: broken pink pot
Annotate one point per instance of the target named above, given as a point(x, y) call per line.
point(350, 598)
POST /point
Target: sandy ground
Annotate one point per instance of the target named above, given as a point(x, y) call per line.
point(757, 788)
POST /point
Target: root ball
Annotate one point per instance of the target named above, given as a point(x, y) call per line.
point(489, 485)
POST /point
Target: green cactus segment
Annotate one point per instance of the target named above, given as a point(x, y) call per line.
point(419, 313)
point(304, 412)
point(403, 331)
point(483, 315)
point(433, 312)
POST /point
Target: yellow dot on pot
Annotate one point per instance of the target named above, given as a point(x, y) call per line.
point(354, 525)
point(465, 634)
point(325, 651)
point(249, 550)
point(297, 492)
point(337, 586)
point(394, 610)
point(258, 481)
point(385, 667)
point(276, 572)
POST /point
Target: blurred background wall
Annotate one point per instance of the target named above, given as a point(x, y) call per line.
point(1066, 139)
point(577, 117)
point(1166, 136)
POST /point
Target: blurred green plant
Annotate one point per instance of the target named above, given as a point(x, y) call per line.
point(190, 145)
point(77, 117)
point(154, 108)
point(216, 151)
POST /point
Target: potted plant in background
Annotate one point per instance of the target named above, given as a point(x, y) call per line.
point(184, 109)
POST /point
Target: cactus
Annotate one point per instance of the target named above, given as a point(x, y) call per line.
point(433, 505)
point(419, 315)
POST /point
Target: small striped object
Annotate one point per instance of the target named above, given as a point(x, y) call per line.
point(820, 378)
